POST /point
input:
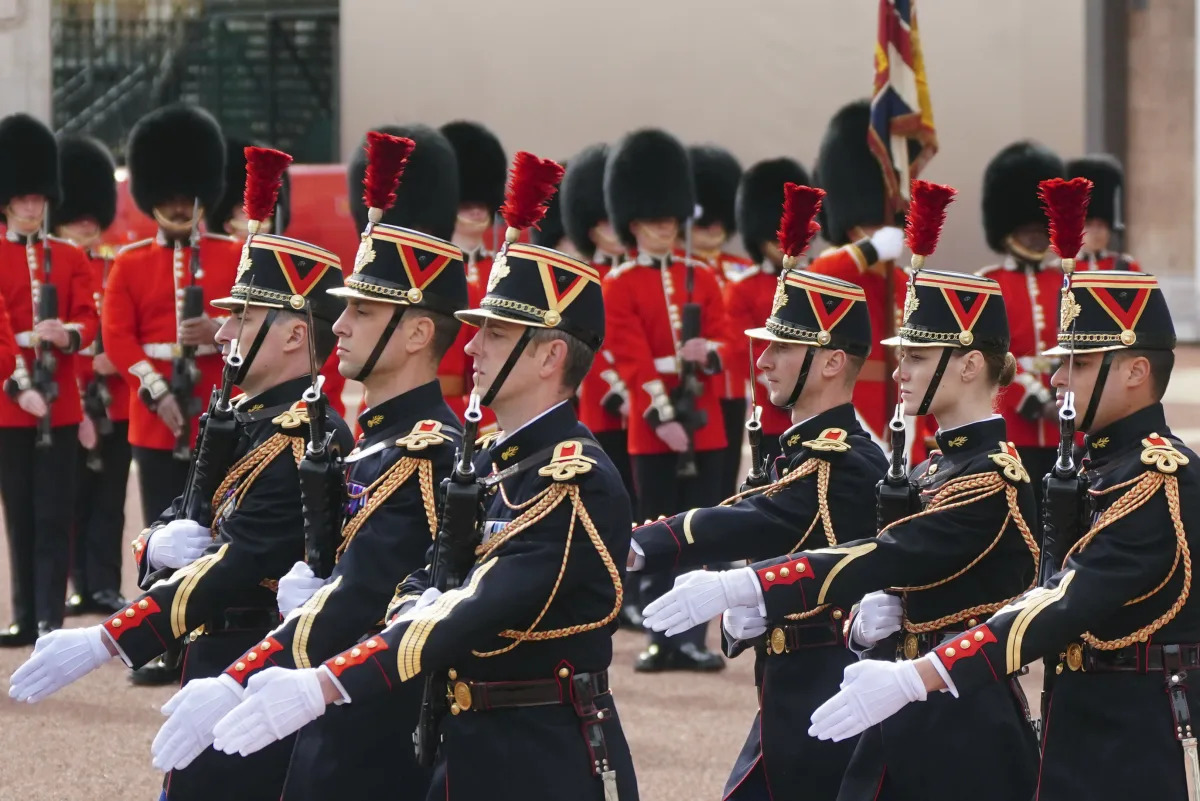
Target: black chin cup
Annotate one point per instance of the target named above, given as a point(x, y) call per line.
point(509, 364)
point(801, 379)
point(259, 337)
point(397, 313)
point(926, 401)
point(1097, 391)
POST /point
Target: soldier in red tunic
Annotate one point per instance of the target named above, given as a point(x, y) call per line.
point(855, 221)
point(717, 174)
point(40, 408)
point(674, 425)
point(1030, 279)
point(1104, 214)
point(749, 296)
point(88, 207)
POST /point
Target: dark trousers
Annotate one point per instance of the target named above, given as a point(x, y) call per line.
point(733, 413)
point(161, 478)
point(37, 486)
point(661, 492)
point(100, 514)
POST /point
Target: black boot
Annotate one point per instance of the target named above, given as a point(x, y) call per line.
point(161, 672)
point(18, 635)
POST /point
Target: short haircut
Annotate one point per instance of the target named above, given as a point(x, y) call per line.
point(324, 340)
point(1162, 362)
point(854, 365)
point(445, 328)
point(579, 356)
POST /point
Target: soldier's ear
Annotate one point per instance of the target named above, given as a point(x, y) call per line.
point(420, 330)
point(1137, 371)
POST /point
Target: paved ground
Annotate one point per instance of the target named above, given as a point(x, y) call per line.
point(92, 740)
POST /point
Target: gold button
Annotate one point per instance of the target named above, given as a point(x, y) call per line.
point(837, 614)
point(784, 572)
point(251, 656)
point(800, 568)
point(143, 604)
point(950, 652)
point(116, 624)
point(356, 652)
point(341, 660)
point(563, 673)
point(455, 709)
point(979, 636)
point(371, 643)
point(972, 623)
point(770, 576)
point(1058, 668)
point(129, 613)
point(965, 644)
point(240, 666)
point(452, 674)
point(266, 646)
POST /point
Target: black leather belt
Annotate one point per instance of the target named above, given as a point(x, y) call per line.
point(1136, 658)
point(465, 695)
point(245, 620)
point(801, 634)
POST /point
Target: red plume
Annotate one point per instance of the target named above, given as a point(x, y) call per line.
point(386, 157)
point(926, 216)
point(798, 224)
point(533, 182)
point(1066, 205)
point(264, 174)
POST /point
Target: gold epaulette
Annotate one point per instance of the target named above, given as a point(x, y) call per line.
point(294, 417)
point(423, 434)
point(567, 462)
point(141, 243)
point(488, 439)
point(1159, 453)
point(621, 269)
point(1009, 462)
point(831, 440)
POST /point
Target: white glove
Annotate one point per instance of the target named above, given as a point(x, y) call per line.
point(296, 587)
point(880, 614)
point(743, 623)
point(277, 703)
point(191, 714)
point(888, 243)
point(427, 598)
point(58, 659)
point(178, 544)
point(872, 691)
point(702, 595)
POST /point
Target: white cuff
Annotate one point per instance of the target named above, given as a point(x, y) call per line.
point(345, 699)
point(120, 653)
point(639, 556)
point(945, 674)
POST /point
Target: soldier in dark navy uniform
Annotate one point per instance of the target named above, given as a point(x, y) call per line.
point(225, 599)
point(964, 553)
point(525, 643)
point(405, 451)
point(1117, 620)
point(815, 495)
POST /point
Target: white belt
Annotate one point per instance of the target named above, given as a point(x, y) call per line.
point(667, 365)
point(25, 339)
point(1036, 364)
point(169, 350)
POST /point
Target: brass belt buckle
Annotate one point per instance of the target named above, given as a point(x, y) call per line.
point(1075, 656)
point(778, 640)
point(461, 693)
point(912, 648)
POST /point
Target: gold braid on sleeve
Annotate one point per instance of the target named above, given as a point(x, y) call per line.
point(250, 467)
point(1140, 491)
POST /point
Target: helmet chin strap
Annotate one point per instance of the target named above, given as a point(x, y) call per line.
point(800, 379)
point(259, 337)
point(377, 351)
point(1094, 402)
point(507, 367)
point(926, 401)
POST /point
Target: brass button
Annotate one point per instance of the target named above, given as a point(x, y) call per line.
point(1058, 668)
point(950, 652)
point(341, 660)
point(240, 666)
point(784, 572)
point(452, 673)
point(563, 673)
point(979, 636)
point(972, 623)
point(455, 709)
point(837, 614)
point(129, 613)
point(252, 657)
point(356, 652)
point(266, 646)
point(116, 624)
point(371, 643)
point(770, 575)
point(965, 644)
point(143, 604)
point(800, 568)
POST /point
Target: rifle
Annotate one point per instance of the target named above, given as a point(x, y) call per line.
point(1064, 497)
point(96, 401)
point(215, 442)
point(689, 389)
point(322, 479)
point(895, 495)
point(757, 475)
point(46, 363)
point(453, 553)
point(184, 372)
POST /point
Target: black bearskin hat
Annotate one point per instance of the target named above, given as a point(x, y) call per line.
point(1010, 189)
point(716, 173)
point(427, 198)
point(850, 175)
point(1108, 179)
point(582, 193)
point(89, 183)
point(482, 165)
point(235, 190)
point(648, 176)
point(28, 159)
point(760, 201)
point(176, 151)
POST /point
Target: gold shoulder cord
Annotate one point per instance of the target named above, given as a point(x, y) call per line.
point(251, 466)
point(962, 492)
point(533, 510)
point(383, 487)
point(1140, 491)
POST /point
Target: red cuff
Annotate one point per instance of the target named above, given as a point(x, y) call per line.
point(253, 659)
point(139, 547)
point(968, 645)
point(131, 617)
point(783, 574)
point(356, 655)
